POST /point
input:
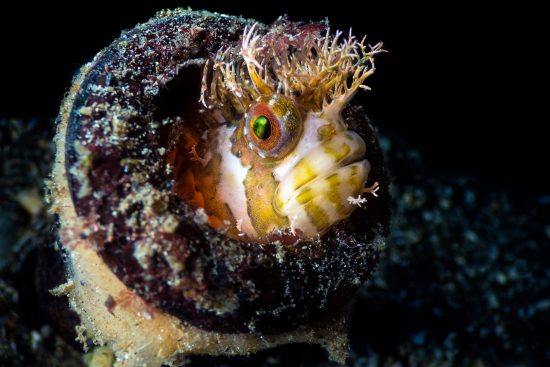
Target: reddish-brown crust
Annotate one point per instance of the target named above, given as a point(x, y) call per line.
point(195, 272)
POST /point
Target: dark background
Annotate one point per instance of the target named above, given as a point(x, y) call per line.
point(458, 81)
point(460, 94)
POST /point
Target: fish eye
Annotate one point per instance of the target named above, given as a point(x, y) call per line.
point(273, 127)
point(261, 127)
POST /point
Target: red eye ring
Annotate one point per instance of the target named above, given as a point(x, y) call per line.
point(267, 145)
point(273, 127)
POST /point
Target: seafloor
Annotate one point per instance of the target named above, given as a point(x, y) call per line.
point(464, 279)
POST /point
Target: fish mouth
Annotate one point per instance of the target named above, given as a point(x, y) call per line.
point(313, 193)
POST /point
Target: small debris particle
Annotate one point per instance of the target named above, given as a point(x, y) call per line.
point(170, 224)
point(85, 111)
point(63, 289)
point(31, 201)
point(100, 357)
point(146, 315)
point(200, 216)
point(110, 304)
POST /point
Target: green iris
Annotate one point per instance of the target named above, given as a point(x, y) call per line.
point(261, 127)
